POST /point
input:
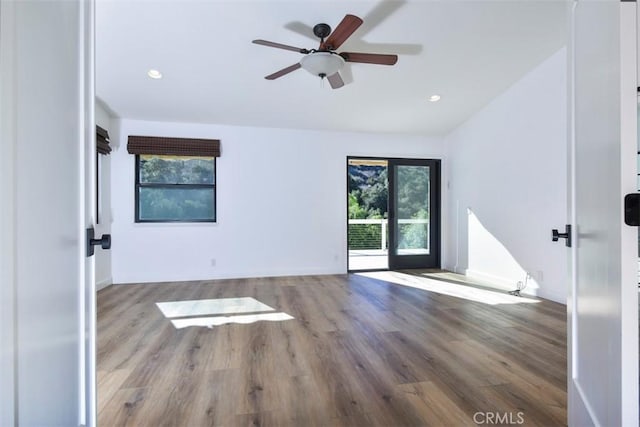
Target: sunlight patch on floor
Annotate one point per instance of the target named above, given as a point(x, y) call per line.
point(446, 288)
point(210, 322)
point(204, 307)
point(235, 310)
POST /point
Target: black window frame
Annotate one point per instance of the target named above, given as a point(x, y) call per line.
point(139, 185)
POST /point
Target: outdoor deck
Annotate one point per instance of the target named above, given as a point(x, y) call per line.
point(368, 259)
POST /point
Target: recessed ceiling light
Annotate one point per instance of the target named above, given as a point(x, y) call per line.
point(434, 98)
point(154, 74)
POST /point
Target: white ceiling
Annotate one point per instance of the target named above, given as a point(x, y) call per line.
point(466, 51)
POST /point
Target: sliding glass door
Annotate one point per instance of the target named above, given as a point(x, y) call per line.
point(414, 213)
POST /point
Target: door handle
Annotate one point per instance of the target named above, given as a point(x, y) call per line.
point(555, 235)
point(632, 209)
point(104, 242)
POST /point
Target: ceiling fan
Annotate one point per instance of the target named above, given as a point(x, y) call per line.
point(325, 61)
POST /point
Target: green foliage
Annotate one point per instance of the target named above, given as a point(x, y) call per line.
point(368, 199)
point(355, 210)
point(413, 196)
point(368, 195)
point(176, 202)
point(413, 236)
point(368, 192)
point(413, 192)
point(176, 170)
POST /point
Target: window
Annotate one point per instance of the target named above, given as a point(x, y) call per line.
point(175, 178)
point(175, 188)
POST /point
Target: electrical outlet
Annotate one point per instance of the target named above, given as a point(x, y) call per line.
point(213, 262)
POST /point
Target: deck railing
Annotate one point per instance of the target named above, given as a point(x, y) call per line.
point(368, 233)
point(374, 233)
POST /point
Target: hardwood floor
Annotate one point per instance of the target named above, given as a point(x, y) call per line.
point(359, 352)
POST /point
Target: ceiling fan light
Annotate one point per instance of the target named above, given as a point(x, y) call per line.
point(322, 63)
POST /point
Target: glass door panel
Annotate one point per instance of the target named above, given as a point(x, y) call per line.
point(414, 202)
point(412, 209)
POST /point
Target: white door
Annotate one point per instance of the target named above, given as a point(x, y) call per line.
point(46, 116)
point(603, 303)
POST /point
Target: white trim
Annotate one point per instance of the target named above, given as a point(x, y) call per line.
point(573, 397)
point(508, 285)
point(8, 324)
point(104, 283)
point(88, 312)
point(132, 280)
point(587, 405)
point(629, 239)
point(550, 295)
point(501, 282)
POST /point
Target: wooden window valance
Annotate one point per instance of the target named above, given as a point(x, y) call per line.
point(173, 146)
point(102, 141)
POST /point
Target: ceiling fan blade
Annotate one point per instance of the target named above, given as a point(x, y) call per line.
point(283, 72)
point(370, 58)
point(335, 81)
point(302, 29)
point(345, 28)
point(280, 46)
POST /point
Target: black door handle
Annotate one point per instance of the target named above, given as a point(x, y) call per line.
point(632, 209)
point(555, 235)
point(104, 241)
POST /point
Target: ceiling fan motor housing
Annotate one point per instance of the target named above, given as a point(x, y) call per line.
point(322, 30)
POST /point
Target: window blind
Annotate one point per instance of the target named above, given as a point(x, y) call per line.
point(102, 141)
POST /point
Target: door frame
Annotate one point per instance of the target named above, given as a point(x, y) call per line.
point(89, 311)
point(437, 202)
point(414, 261)
point(346, 186)
point(8, 335)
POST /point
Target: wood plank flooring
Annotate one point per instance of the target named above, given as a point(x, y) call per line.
point(359, 352)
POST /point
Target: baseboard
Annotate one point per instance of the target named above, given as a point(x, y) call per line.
point(104, 283)
point(509, 285)
point(497, 281)
point(230, 275)
point(552, 296)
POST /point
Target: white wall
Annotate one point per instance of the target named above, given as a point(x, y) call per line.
point(507, 185)
point(281, 197)
point(103, 257)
